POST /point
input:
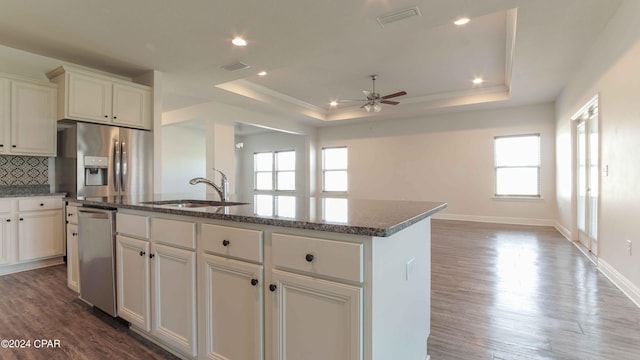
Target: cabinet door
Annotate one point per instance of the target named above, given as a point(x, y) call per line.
point(89, 98)
point(33, 119)
point(131, 106)
point(6, 236)
point(315, 319)
point(233, 298)
point(132, 274)
point(40, 235)
point(72, 257)
point(5, 115)
point(173, 273)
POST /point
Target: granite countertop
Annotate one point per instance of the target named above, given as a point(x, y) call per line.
point(8, 191)
point(341, 215)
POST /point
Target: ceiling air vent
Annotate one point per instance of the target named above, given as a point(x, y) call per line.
point(399, 15)
point(236, 66)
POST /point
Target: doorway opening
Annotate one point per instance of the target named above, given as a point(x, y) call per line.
point(587, 175)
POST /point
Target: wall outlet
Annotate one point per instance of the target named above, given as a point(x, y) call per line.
point(629, 246)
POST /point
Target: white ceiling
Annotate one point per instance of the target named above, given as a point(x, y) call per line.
point(318, 51)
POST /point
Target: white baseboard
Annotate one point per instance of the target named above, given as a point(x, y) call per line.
point(496, 219)
point(621, 282)
point(31, 265)
point(563, 230)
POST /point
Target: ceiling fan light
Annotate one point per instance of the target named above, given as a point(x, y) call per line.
point(367, 107)
point(377, 107)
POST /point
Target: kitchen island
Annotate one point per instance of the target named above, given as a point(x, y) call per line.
point(276, 277)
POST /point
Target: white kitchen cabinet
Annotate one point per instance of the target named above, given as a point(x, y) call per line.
point(6, 235)
point(232, 292)
point(5, 115)
point(40, 235)
point(27, 117)
point(132, 271)
point(92, 97)
point(31, 233)
point(73, 261)
point(315, 319)
point(157, 279)
point(173, 296)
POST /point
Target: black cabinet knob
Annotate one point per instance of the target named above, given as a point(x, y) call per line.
point(69, 214)
point(273, 287)
point(309, 257)
point(254, 282)
point(21, 219)
point(151, 256)
point(8, 220)
point(115, 117)
point(13, 146)
point(106, 116)
point(225, 243)
point(74, 234)
point(1, 145)
point(142, 253)
point(41, 204)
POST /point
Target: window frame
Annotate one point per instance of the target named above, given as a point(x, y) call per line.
point(538, 167)
point(324, 170)
point(274, 172)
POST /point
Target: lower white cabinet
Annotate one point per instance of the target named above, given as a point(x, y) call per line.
point(73, 261)
point(173, 295)
point(132, 276)
point(156, 282)
point(232, 316)
point(31, 233)
point(39, 235)
point(314, 318)
point(6, 234)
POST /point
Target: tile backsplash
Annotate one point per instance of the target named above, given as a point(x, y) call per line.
point(24, 170)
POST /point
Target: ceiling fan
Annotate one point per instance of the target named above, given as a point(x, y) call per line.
point(374, 101)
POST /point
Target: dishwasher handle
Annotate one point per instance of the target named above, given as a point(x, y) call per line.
point(94, 213)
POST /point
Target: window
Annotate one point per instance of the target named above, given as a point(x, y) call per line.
point(275, 171)
point(334, 169)
point(517, 165)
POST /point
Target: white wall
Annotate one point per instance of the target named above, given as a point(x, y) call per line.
point(183, 158)
point(447, 158)
point(611, 69)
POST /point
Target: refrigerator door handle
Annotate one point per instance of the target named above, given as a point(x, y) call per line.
point(123, 178)
point(117, 160)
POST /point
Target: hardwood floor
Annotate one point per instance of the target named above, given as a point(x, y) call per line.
point(520, 292)
point(37, 305)
point(498, 292)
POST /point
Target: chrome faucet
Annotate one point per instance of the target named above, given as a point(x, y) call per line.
point(222, 190)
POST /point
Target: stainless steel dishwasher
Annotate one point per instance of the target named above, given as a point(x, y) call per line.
point(96, 251)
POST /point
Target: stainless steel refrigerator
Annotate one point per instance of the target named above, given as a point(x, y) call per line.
point(100, 160)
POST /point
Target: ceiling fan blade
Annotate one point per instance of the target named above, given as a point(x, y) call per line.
point(400, 93)
point(389, 102)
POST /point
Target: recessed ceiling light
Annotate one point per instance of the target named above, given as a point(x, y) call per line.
point(462, 21)
point(262, 73)
point(478, 81)
point(333, 103)
point(238, 41)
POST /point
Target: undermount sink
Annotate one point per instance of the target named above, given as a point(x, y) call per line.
point(192, 203)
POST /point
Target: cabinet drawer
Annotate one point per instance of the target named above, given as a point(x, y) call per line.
point(132, 225)
point(5, 206)
point(39, 204)
point(233, 242)
point(72, 214)
point(173, 232)
point(318, 256)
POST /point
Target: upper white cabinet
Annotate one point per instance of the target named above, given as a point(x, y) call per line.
point(27, 117)
point(86, 96)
